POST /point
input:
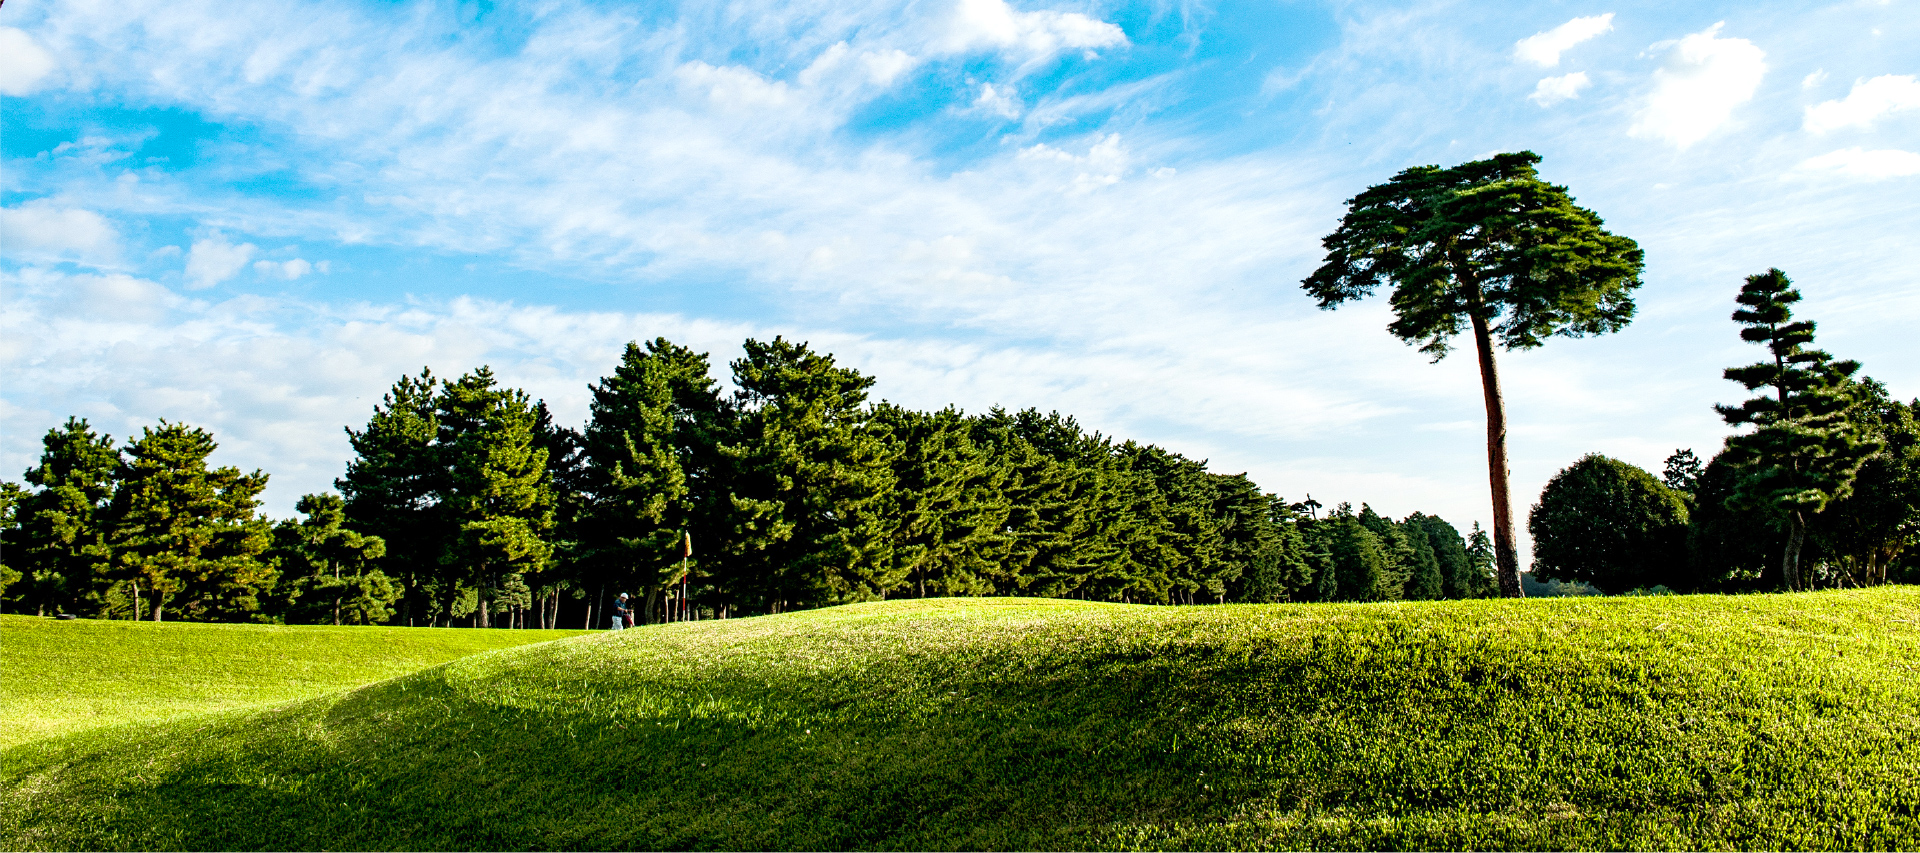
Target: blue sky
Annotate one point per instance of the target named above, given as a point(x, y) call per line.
point(255, 216)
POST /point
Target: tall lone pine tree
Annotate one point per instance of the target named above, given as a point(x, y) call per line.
point(1485, 244)
point(1805, 448)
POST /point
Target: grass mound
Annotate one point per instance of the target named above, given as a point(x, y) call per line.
point(1682, 722)
point(62, 677)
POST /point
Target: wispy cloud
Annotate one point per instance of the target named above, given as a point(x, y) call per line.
point(1866, 104)
point(1553, 90)
point(1859, 163)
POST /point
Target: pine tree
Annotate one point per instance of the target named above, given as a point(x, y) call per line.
point(1682, 472)
point(1805, 447)
point(807, 476)
point(1867, 531)
point(186, 535)
point(61, 547)
point(392, 490)
point(644, 441)
point(498, 503)
point(1480, 564)
point(1425, 581)
point(327, 571)
point(949, 507)
point(11, 494)
point(1490, 246)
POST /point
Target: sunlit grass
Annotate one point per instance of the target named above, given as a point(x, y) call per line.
point(1668, 722)
point(58, 677)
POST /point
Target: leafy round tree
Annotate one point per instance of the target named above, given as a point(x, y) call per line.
point(1489, 246)
point(1609, 524)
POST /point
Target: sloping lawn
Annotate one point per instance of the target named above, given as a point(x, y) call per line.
point(60, 677)
point(1696, 722)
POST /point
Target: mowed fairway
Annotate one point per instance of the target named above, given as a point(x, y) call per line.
point(66, 676)
point(1676, 722)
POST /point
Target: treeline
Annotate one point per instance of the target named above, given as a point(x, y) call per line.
point(1822, 491)
point(466, 504)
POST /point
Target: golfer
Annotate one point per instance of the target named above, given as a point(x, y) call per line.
point(622, 614)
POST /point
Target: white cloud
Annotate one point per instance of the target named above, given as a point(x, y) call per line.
point(288, 270)
point(24, 64)
point(1103, 164)
point(1814, 79)
point(1862, 164)
point(994, 24)
point(997, 101)
point(213, 260)
point(1705, 78)
point(879, 68)
point(1869, 100)
point(41, 227)
point(1553, 90)
point(1544, 49)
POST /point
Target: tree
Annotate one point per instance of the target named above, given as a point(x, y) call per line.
point(10, 496)
point(1480, 564)
point(187, 534)
point(1359, 563)
point(1609, 524)
point(1682, 472)
point(1450, 554)
point(806, 474)
point(1490, 246)
point(1425, 581)
point(327, 570)
point(61, 547)
point(392, 488)
point(497, 503)
point(1806, 446)
point(1866, 531)
point(645, 429)
point(949, 506)
point(1730, 548)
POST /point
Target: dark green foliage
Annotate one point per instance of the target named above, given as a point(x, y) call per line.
point(1359, 563)
point(1867, 531)
point(60, 548)
point(1486, 245)
point(327, 573)
point(807, 478)
point(1480, 563)
point(1729, 549)
point(1806, 445)
point(11, 495)
point(646, 439)
point(1425, 581)
point(391, 487)
point(1682, 472)
point(1449, 549)
point(1610, 524)
point(183, 535)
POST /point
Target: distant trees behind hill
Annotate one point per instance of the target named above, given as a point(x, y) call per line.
point(466, 504)
point(1823, 491)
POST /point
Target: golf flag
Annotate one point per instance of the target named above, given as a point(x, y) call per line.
point(687, 550)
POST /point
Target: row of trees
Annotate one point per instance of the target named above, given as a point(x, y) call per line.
point(466, 504)
point(1823, 490)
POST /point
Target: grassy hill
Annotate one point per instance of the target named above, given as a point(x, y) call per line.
point(1678, 722)
point(66, 676)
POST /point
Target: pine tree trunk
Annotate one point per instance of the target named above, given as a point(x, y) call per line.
point(135, 584)
point(337, 593)
point(646, 611)
point(1790, 563)
point(1506, 555)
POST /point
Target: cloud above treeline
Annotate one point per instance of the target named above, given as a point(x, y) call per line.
point(258, 217)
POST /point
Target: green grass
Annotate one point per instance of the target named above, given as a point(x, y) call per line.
point(58, 677)
point(1664, 722)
